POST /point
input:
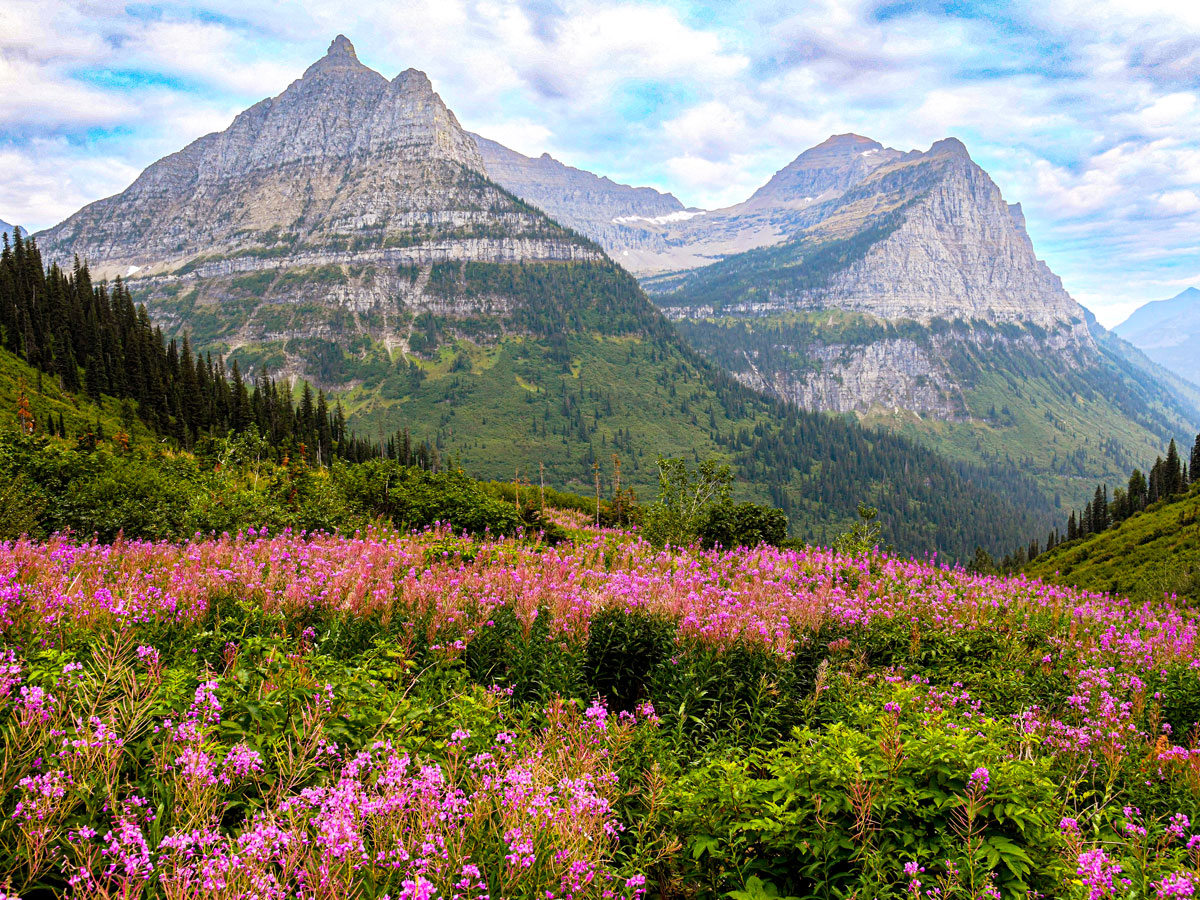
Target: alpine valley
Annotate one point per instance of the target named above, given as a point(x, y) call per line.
point(901, 287)
point(349, 232)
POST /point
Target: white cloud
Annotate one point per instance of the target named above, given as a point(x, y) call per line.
point(1086, 111)
point(47, 181)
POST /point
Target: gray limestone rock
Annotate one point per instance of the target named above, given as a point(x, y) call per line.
point(343, 161)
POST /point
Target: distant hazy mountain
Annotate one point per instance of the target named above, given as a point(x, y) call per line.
point(5, 228)
point(1168, 331)
point(612, 214)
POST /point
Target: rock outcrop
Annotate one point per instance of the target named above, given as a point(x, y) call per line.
point(10, 230)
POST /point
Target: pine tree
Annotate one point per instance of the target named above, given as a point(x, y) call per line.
point(1174, 483)
point(1195, 461)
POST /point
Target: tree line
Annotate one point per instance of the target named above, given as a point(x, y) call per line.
point(1167, 478)
point(97, 342)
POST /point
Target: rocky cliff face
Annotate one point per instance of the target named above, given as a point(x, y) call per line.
point(321, 214)
point(958, 251)
point(907, 291)
point(10, 230)
point(343, 161)
point(912, 238)
point(919, 236)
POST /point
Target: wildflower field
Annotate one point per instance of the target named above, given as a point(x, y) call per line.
point(430, 716)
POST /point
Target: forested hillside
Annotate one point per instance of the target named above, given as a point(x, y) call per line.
point(607, 379)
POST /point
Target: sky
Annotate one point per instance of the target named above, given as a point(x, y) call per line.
point(1087, 113)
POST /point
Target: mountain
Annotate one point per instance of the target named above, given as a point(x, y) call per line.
point(344, 167)
point(912, 297)
point(1168, 331)
point(662, 237)
point(347, 232)
point(614, 215)
point(902, 288)
point(10, 230)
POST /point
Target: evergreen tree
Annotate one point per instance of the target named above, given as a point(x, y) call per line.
point(1173, 474)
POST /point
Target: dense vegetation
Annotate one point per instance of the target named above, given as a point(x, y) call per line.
point(1168, 477)
point(96, 342)
point(432, 716)
point(1153, 553)
point(106, 489)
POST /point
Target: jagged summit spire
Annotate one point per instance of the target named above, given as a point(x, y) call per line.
point(950, 146)
point(848, 140)
point(341, 46)
point(340, 57)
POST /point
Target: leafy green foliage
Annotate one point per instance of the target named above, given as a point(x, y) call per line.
point(730, 524)
point(686, 498)
point(863, 538)
point(106, 491)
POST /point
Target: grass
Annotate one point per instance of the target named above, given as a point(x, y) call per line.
point(510, 410)
point(1149, 555)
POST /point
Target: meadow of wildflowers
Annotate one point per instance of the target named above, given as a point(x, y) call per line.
point(426, 716)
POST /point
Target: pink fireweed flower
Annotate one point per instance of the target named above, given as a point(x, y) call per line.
point(979, 781)
point(1178, 826)
point(1097, 872)
point(597, 715)
point(242, 762)
point(416, 889)
point(10, 672)
point(1177, 884)
point(645, 711)
point(41, 795)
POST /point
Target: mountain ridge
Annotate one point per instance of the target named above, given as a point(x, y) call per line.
point(1168, 331)
point(343, 152)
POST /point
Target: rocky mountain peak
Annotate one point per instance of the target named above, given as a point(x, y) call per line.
point(341, 46)
point(846, 143)
point(949, 147)
point(342, 158)
point(414, 81)
point(822, 172)
point(339, 58)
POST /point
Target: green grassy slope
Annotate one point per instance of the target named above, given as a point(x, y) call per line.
point(1153, 553)
point(512, 368)
point(47, 399)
